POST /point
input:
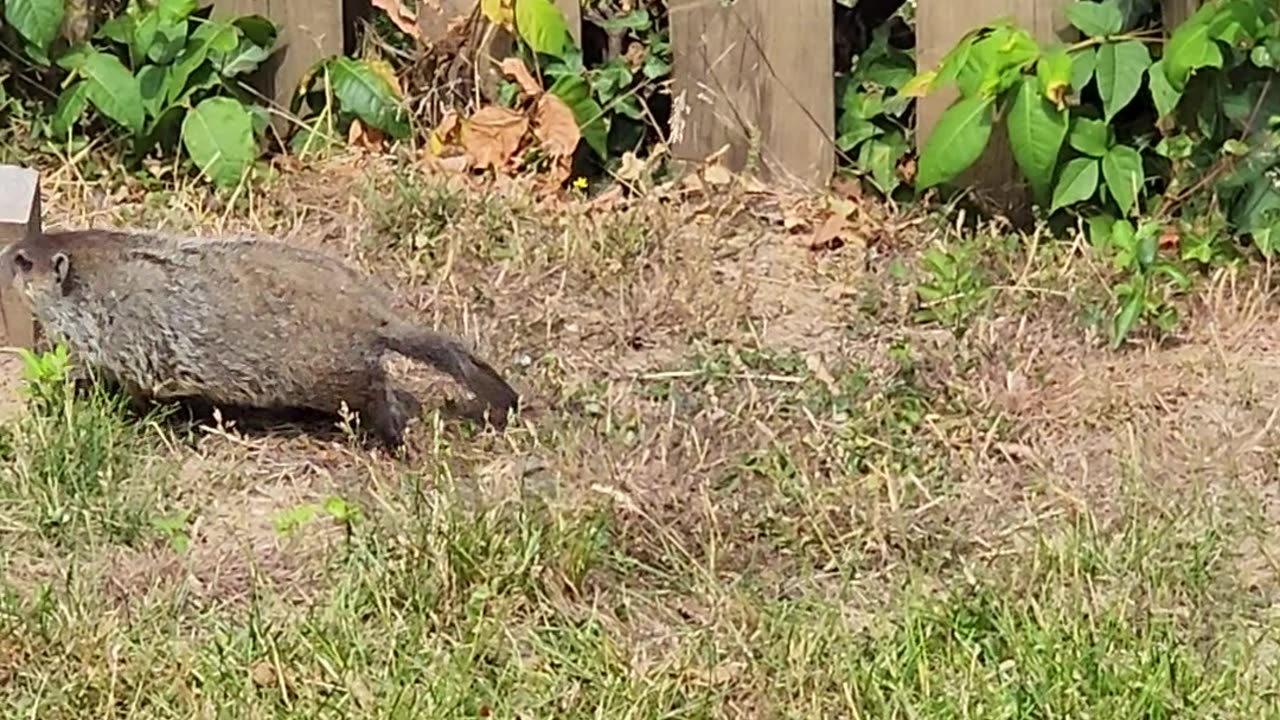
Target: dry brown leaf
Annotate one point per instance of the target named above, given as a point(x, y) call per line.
point(833, 234)
point(515, 69)
point(717, 174)
point(555, 126)
point(361, 135)
point(402, 17)
point(632, 167)
point(493, 135)
point(635, 55)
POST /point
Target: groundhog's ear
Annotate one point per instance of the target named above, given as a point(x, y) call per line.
point(61, 266)
point(21, 262)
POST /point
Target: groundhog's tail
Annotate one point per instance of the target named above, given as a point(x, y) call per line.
point(448, 355)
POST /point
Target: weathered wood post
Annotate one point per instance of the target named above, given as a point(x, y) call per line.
point(1176, 12)
point(19, 217)
point(310, 30)
point(940, 25)
point(757, 76)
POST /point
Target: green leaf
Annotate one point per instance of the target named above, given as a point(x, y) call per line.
point(260, 30)
point(1163, 94)
point(1037, 129)
point(637, 20)
point(362, 91)
point(71, 106)
point(113, 89)
point(1126, 318)
point(175, 11)
point(592, 122)
point(169, 40)
point(246, 58)
point(1191, 47)
point(1120, 70)
point(1055, 69)
point(37, 21)
point(1077, 182)
point(1091, 137)
point(854, 130)
point(153, 82)
point(144, 36)
point(1096, 19)
point(542, 26)
point(957, 141)
point(1083, 63)
point(1100, 230)
point(1122, 169)
point(218, 135)
point(881, 156)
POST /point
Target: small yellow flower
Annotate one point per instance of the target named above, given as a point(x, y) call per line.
point(580, 183)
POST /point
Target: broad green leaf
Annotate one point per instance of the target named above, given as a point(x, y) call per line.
point(37, 21)
point(592, 122)
point(153, 82)
point(175, 11)
point(145, 31)
point(1096, 19)
point(1126, 318)
point(1036, 131)
point(1083, 63)
point(260, 30)
point(246, 58)
point(1100, 230)
point(854, 130)
point(1077, 182)
point(1055, 70)
point(635, 20)
point(71, 106)
point(1091, 137)
point(361, 90)
point(542, 26)
point(1191, 47)
point(217, 36)
point(113, 89)
point(1120, 69)
point(881, 156)
point(920, 85)
point(1122, 169)
point(1163, 94)
point(117, 29)
point(170, 39)
point(218, 135)
point(957, 141)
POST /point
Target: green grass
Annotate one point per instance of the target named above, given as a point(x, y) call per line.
point(699, 522)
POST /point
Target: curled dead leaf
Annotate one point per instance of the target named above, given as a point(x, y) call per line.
point(834, 233)
point(636, 55)
point(555, 126)
point(401, 16)
point(514, 68)
point(493, 135)
point(632, 168)
point(363, 136)
point(717, 174)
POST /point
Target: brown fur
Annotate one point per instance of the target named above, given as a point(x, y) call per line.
point(238, 322)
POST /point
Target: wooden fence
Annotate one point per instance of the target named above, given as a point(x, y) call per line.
point(753, 80)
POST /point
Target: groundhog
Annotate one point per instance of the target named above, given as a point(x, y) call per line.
point(237, 322)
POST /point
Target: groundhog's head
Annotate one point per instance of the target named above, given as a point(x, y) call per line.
point(37, 270)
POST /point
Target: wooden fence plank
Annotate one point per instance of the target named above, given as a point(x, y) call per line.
point(1177, 11)
point(940, 24)
point(19, 217)
point(310, 30)
point(756, 76)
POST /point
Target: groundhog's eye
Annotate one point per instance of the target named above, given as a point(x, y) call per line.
point(22, 262)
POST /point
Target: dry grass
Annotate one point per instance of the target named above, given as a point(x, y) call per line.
point(752, 483)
